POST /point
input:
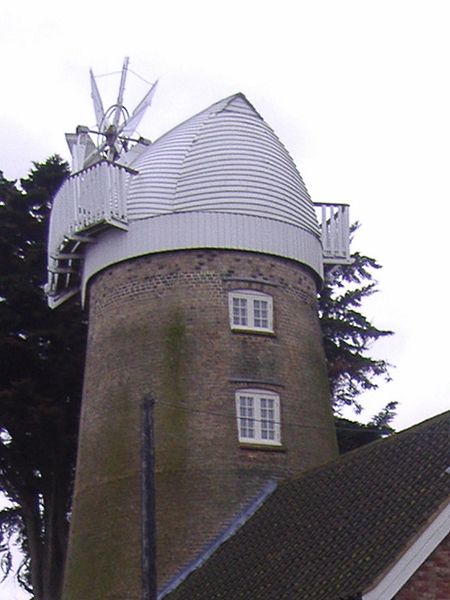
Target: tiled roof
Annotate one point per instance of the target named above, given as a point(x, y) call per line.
point(328, 534)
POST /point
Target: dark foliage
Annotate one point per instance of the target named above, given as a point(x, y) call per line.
point(42, 356)
point(347, 333)
point(352, 434)
point(348, 337)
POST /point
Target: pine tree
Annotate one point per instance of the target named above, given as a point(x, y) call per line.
point(42, 356)
point(348, 336)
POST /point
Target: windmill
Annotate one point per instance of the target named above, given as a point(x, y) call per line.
point(115, 127)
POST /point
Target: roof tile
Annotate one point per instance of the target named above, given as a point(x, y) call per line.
point(328, 534)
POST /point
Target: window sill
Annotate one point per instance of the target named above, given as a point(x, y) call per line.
point(249, 330)
point(265, 447)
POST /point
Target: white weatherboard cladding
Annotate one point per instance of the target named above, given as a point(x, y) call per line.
point(225, 159)
point(187, 230)
point(153, 190)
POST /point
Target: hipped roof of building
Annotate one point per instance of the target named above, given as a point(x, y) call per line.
point(334, 532)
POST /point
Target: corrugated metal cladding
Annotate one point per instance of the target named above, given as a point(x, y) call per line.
point(225, 159)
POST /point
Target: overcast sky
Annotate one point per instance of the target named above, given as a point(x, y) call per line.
point(357, 90)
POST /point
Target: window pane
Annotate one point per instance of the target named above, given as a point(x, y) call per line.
point(239, 311)
point(267, 419)
point(261, 313)
point(246, 417)
point(258, 417)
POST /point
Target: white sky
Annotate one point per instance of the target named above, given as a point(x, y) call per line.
point(357, 90)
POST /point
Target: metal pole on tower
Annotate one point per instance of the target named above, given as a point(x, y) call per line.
point(148, 502)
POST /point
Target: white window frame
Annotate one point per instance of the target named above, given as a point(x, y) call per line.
point(249, 298)
point(255, 426)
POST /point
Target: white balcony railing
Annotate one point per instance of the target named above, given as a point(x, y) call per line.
point(335, 232)
point(86, 203)
point(90, 198)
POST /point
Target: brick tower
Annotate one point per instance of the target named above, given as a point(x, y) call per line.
point(199, 258)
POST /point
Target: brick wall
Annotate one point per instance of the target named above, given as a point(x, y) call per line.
point(432, 580)
point(159, 324)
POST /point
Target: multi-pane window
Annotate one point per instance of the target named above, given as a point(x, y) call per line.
point(258, 417)
point(251, 310)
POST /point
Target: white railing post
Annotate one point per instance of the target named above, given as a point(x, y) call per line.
point(335, 232)
point(87, 202)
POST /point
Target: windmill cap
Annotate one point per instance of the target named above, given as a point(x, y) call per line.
point(225, 159)
point(220, 179)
